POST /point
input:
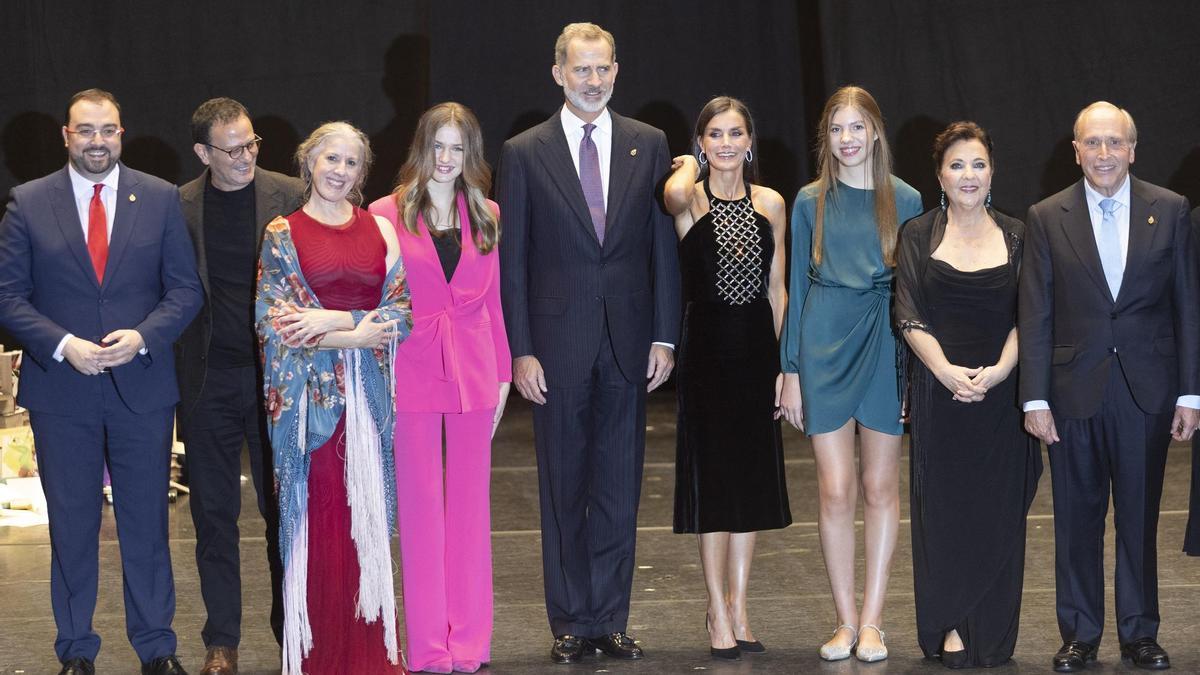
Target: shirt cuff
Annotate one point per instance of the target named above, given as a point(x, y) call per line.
point(670, 346)
point(58, 355)
point(1030, 406)
point(1189, 401)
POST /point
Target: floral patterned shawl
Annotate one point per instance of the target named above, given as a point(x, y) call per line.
point(307, 390)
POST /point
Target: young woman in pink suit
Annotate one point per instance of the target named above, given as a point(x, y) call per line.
point(452, 374)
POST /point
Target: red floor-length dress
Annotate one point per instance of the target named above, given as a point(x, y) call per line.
point(345, 266)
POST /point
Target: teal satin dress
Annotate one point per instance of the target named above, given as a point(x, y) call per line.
point(838, 333)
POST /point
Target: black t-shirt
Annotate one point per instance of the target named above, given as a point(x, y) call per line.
point(232, 253)
point(449, 250)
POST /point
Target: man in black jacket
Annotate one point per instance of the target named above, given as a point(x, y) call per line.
point(226, 209)
point(1110, 372)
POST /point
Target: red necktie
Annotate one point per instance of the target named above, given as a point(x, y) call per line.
point(98, 233)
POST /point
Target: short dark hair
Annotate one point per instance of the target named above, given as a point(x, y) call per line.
point(93, 95)
point(959, 131)
point(220, 110)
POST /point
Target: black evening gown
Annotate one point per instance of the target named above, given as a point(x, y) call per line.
point(729, 474)
point(974, 473)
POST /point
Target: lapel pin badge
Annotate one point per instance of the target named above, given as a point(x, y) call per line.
point(133, 198)
point(633, 152)
point(1150, 220)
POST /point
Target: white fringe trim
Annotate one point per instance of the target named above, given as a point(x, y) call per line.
point(368, 509)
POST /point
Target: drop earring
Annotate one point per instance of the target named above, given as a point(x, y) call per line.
point(942, 201)
point(988, 202)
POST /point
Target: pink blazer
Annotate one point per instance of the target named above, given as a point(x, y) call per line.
point(457, 353)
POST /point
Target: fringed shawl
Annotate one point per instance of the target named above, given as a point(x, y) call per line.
point(306, 391)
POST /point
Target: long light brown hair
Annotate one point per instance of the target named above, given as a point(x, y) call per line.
point(411, 191)
point(880, 157)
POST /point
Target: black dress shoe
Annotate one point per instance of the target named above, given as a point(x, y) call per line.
point(569, 649)
point(751, 646)
point(1145, 653)
point(163, 665)
point(954, 660)
point(78, 666)
point(618, 646)
point(1073, 656)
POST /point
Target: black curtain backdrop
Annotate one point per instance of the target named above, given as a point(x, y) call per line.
point(1021, 68)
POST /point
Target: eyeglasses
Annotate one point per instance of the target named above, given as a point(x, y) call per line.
point(237, 151)
point(1115, 143)
point(89, 133)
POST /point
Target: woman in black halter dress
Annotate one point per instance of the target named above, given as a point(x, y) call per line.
point(729, 477)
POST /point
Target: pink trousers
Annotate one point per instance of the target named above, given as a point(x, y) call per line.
point(445, 537)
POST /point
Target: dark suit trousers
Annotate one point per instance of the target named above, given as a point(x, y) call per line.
point(227, 414)
point(1123, 449)
point(72, 450)
point(590, 441)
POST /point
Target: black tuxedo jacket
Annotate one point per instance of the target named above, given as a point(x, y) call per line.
point(558, 284)
point(1070, 325)
point(274, 195)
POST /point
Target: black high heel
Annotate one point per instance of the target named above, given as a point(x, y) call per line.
point(955, 660)
point(751, 646)
point(726, 654)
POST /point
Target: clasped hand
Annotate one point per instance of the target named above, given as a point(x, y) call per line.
point(119, 347)
point(970, 385)
point(307, 326)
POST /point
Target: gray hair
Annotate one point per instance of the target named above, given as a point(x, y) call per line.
point(1132, 137)
point(322, 134)
point(581, 31)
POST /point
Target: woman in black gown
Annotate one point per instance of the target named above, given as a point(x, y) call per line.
point(974, 470)
point(729, 478)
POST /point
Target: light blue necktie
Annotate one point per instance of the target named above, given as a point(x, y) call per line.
point(1110, 247)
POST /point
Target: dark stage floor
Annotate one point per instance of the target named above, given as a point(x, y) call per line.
point(790, 606)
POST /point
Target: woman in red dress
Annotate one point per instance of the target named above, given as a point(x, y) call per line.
point(332, 303)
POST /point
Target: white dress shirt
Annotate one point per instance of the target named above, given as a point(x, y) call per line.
point(83, 189)
point(1121, 216)
point(601, 136)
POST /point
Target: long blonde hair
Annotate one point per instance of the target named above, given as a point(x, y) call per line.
point(880, 157)
point(411, 191)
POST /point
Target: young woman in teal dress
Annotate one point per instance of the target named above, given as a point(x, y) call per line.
point(838, 354)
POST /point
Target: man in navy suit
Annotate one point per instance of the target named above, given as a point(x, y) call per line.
point(590, 285)
point(97, 280)
point(1110, 371)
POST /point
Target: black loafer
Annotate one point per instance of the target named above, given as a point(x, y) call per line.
point(569, 649)
point(1073, 656)
point(618, 646)
point(78, 666)
point(1145, 653)
point(163, 665)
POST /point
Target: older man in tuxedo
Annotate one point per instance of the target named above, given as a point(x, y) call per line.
point(97, 280)
point(1110, 372)
point(590, 286)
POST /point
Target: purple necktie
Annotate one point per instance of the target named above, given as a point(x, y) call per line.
point(589, 178)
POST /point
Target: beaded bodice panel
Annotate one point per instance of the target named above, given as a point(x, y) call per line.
point(726, 256)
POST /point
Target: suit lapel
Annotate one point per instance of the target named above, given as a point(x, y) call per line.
point(557, 158)
point(620, 170)
point(191, 200)
point(268, 203)
point(124, 222)
point(67, 215)
point(1077, 226)
point(1141, 233)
